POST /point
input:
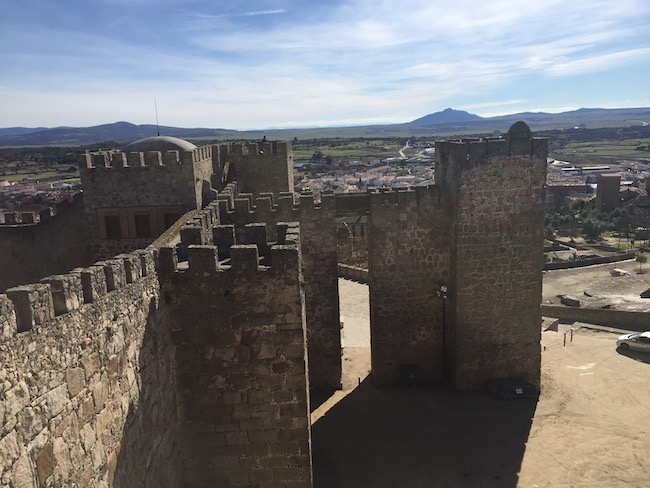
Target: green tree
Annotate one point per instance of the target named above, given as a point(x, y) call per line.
point(593, 227)
point(641, 258)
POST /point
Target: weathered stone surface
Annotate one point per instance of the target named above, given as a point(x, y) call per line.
point(45, 463)
point(9, 448)
point(52, 381)
point(409, 257)
point(76, 381)
point(232, 367)
point(497, 240)
point(7, 318)
point(29, 253)
point(23, 473)
point(318, 242)
point(53, 401)
point(16, 399)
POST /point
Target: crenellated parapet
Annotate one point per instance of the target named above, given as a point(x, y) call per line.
point(117, 159)
point(417, 199)
point(273, 208)
point(254, 253)
point(454, 157)
point(257, 167)
point(31, 306)
point(35, 214)
point(260, 150)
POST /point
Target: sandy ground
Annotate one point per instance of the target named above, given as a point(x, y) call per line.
point(589, 428)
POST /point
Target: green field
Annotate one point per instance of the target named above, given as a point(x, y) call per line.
point(625, 148)
point(346, 149)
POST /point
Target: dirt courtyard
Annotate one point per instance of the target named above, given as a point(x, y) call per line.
point(590, 426)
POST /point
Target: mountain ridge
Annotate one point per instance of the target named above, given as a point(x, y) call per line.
point(447, 121)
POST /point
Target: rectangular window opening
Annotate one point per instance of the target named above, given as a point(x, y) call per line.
point(142, 225)
point(113, 227)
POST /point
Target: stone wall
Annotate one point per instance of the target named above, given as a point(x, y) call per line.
point(623, 256)
point(496, 188)
point(259, 168)
point(622, 319)
point(408, 262)
point(56, 245)
point(319, 251)
point(86, 386)
point(240, 337)
point(161, 186)
point(353, 273)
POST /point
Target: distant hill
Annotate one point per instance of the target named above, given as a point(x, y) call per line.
point(18, 131)
point(448, 122)
point(447, 116)
point(118, 132)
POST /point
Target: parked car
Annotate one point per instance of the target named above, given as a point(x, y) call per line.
point(638, 341)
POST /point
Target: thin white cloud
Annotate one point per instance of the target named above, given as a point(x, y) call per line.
point(254, 13)
point(351, 60)
point(598, 63)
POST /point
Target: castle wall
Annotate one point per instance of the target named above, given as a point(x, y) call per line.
point(240, 337)
point(409, 258)
point(55, 245)
point(144, 193)
point(497, 242)
point(320, 272)
point(258, 167)
point(86, 386)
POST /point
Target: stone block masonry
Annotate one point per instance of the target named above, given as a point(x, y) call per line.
point(496, 189)
point(110, 381)
point(409, 260)
point(258, 167)
point(240, 336)
point(319, 263)
point(132, 198)
point(29, 253)
point(86, 386)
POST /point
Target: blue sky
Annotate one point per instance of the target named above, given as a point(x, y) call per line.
point(296, 63)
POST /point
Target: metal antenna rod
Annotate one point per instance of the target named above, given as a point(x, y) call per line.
point(155, 103)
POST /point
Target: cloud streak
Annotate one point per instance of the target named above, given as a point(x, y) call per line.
point(289, 62)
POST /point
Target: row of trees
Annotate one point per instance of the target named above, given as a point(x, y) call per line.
point(581, 214)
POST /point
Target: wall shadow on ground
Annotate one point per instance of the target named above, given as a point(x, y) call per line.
point(318, 396)
point(420, 438)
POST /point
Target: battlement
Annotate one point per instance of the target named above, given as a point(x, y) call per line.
point(517, 142)
point(35, 214)
point(257, 167)
point(245, 204)
point(254, 149)
point(27, 307)
point(118, 159)
point(252, 254)
point(421, 197)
